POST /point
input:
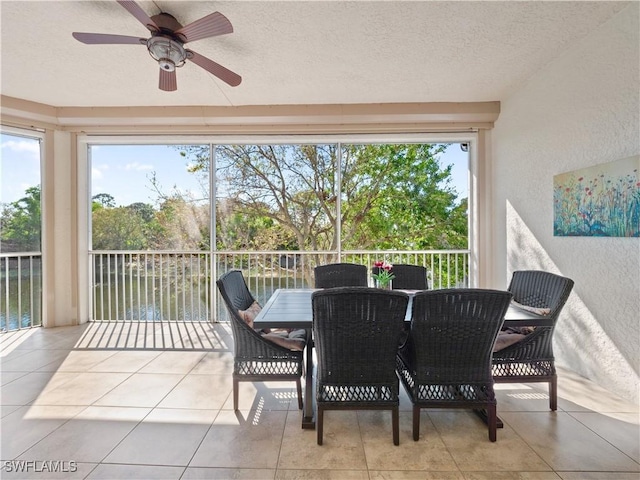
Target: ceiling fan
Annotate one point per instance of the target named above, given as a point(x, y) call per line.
point(166, 44)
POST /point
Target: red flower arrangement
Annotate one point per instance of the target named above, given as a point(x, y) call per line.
point(384, 273)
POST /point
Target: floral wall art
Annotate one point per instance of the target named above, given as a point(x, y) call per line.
point(599, 201)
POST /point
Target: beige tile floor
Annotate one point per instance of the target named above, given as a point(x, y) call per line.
point(119, 403)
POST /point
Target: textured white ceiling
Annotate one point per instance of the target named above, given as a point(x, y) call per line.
point(331, 52)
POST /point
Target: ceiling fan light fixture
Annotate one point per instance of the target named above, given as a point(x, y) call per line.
point(167, 52)
point(166, 45)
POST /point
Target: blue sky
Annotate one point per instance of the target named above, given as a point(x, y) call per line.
point(125, 171)
point(19, 167)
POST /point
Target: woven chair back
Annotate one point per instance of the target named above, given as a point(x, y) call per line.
point(453, 332)
point(234, 292)
point(407, 277)
point(540, 289)
point(340, 275)
point(356, 335)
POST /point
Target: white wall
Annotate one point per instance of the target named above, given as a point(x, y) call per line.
point(578, 111)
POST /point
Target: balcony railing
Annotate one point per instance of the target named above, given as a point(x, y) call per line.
point(21, 285)
point(172, 286)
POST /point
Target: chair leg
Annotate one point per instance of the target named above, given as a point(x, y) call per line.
point(395, 422)
point(299, 388)
point(492, 421)
point(319, 423)
point(553, 393)
point(235, 393)
point(416, 423)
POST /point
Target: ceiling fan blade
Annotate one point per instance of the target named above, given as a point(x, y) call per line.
point(212, 25)
point(134, 9)
point(216, 69)
point(105, 38)
point(168, 81)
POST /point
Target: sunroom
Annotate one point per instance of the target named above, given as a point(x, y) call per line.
point(531, 90)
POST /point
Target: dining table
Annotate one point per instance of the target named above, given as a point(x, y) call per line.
point(291, 308)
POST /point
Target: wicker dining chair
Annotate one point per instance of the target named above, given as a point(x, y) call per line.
point(340, 275)
point(446, 360)
point(255, 359)
point(531, 359)
point(356, 332)
point(407, 277)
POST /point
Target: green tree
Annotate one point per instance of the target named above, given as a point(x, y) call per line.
point(393, 196)
point(180, 225)
point(240, 229)
point(400, 197)
point(104, 200)
point(118, 229)
point(143, 210)
point(21, 223)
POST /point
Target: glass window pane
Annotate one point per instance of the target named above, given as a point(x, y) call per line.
point(276, 197)
point(148, 197)
point(20, 233)
point(401, 197)
point(20, 194)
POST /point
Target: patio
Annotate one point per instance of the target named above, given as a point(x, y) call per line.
point(75, 394)
point(536, 89)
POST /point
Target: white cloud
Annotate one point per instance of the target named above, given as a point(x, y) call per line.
point(30, 147)
point(138, 167)
point(98, 171)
